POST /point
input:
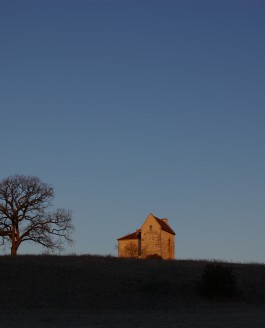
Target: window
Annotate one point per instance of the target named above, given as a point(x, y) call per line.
point(169, 245)
point(150, 227)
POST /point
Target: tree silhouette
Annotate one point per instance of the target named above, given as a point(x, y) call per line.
point(131, 250)
point(24, 215)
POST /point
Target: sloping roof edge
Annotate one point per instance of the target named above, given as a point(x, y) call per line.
point(165, 226)
point(133, 235)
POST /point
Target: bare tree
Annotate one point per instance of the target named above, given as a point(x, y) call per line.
point(24, 215)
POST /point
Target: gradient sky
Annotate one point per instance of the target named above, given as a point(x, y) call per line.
point(136, 107)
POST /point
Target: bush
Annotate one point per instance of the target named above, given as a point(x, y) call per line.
point(218, 281)
point(154, 257)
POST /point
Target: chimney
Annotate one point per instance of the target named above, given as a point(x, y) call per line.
point(138, 232)
point(165, 220)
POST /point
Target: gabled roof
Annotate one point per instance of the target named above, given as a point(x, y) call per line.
point(164, 225)
point(134, 235)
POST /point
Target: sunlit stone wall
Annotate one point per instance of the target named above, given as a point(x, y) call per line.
point(167, 245)
point(151, 237)
point(128, 248)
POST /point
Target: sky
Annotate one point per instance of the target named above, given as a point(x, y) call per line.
point(140, 106)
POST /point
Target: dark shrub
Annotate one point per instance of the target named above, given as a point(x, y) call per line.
point(154, 257)
point(218, 281)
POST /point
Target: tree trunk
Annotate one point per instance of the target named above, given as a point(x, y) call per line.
point(13, 240)
point(13, 251)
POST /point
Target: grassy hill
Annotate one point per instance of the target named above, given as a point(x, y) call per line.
point(97, 282)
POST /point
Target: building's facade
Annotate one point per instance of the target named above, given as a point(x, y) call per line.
point(155, 237)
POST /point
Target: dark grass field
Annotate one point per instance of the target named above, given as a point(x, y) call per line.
point(97, 291)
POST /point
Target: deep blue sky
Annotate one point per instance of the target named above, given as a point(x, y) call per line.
point(132, 107)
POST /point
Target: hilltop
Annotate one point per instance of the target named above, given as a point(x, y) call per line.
point(41, 286)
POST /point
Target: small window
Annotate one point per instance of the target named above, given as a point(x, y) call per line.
point(150, 227)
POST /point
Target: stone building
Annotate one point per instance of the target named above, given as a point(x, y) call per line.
point(155, 237)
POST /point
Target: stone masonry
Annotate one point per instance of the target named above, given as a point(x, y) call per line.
point(155, 237)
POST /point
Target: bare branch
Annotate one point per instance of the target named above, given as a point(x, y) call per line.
point(24, 201)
